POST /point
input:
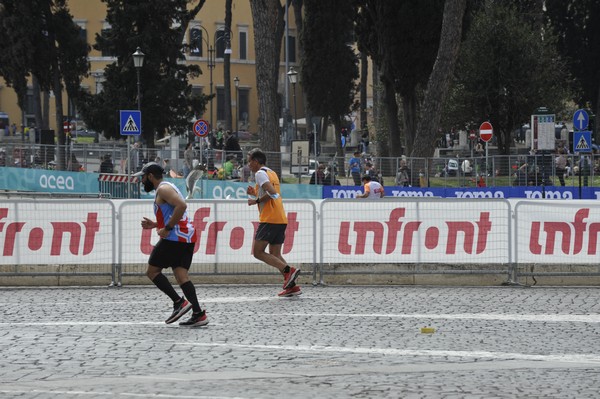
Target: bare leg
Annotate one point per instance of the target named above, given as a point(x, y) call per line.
point(270, 259)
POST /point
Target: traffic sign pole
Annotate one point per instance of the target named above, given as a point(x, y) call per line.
point(486, 131)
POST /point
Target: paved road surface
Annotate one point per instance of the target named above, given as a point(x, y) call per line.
point(331, 342)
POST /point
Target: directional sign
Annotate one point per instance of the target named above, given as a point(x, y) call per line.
point(131, 123)
point(201, 128)
point(486, 131)
point(581, 119)
point(582, 141)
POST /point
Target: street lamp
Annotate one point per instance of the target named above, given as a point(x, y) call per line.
point(293, 77)
point(138, 63)
point(211, 59)
point(236, 81)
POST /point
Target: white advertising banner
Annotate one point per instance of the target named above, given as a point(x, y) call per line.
point(557, 232)
point(225, 231)
point(391, 230)
point(416, 231)
point(57, 232)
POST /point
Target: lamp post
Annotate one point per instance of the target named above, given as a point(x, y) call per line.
point(236, 81)
point(211, 59)
point(138, 63)
point(293, 77)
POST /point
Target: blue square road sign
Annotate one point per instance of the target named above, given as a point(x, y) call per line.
point(131, 122)
point(582, 141)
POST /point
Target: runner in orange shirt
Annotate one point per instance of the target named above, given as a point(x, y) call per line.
point(372, 188)
point(272, 221)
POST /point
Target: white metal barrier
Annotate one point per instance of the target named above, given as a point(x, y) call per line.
point(79, 237)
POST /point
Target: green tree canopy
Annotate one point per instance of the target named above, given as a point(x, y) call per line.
point(506, 70)
point(577, 25)
point(330, 65)
point(158, 28)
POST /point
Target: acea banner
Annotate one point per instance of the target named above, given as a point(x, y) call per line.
point(223, 189)
point(53, 181)
point(48, 181)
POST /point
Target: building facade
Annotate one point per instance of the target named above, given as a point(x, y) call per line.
point(205, 33)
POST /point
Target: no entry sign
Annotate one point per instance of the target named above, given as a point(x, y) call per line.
point(486, 131)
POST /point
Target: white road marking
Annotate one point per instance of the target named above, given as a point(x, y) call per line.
point(113, 394)
point(554, 318)
point(567, 358)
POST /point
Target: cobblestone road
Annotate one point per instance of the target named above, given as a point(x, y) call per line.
point(331, 342)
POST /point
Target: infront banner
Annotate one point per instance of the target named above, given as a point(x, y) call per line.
point(225, 231)
point(60, 232)
point(388, 231)
point(415, 231)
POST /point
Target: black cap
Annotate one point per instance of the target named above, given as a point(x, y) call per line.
point(150, 167)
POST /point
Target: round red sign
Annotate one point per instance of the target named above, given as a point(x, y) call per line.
point(486, 131)
point(201, 128)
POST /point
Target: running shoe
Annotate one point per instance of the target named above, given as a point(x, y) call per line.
point(197, 320)
point(292, 291)
point(290, 277)
point(179, 309)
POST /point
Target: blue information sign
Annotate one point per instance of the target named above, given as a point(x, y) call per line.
point(581, 119)
point(131, 123)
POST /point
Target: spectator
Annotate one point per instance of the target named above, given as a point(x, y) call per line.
point(167, 167)
point(466, 167)
point(245, 173)
point(232, 145)
point(354, 164)
point(220, 137)
point(107, 165)
point(364, 142)
point(228, 167)
point(372, 173)
point(188, 159)
point(403, 175)
point(560, 164)
point(318, 176)
point(479, 149)
point(584, 168)
point(73, 164)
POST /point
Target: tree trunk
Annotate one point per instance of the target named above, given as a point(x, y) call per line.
point(439, 81)
point(596, 131)
point(364, 74)
point(45, 110)
point(227, 69)
point(393, 147)
point(268, 23)
point(37, 104)
point(409, 106)
point(56, 87)
point(297, 5)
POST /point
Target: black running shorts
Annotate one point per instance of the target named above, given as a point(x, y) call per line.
point(272, 233)
point(167, 253)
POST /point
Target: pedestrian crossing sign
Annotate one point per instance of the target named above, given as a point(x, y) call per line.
point(582, 141)
point(131, 123)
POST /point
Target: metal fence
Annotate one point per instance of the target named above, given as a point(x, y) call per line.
point(513, 240)
point(457, 171)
